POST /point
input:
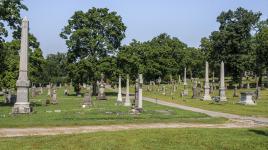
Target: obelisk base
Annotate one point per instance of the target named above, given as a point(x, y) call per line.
point(21, 108)
point(206, 96)
point(22, 105)
point(222, 95)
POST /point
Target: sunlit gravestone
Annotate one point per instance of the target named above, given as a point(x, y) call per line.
point(206, 96)
point(22, 105)
point(119, 96)
point(127, 99)
point(222, 87)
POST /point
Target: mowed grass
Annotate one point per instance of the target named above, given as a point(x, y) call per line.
point(231, 106)
point(102, 113)
point(149, 139)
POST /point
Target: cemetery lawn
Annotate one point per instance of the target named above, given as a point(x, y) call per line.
point(102, 113)
point(185, 138)
point(231, 106)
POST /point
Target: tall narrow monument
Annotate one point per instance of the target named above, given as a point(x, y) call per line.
point(119, 96)
point(140, 82)
point(207, 96)
point(222, 87)
point(184, 79)
point(22, 105)
point(127, 100)
point(185, 90)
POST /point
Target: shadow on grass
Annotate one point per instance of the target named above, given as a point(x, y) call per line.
point(111, 94)
point(6, 104)
point(36, 104)
point(260, 132)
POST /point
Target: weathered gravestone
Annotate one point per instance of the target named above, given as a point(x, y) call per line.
point(127, 99)
point(22, 105)
point(185, 90)
point(206, 96)
point(222, 87)
point(119, 95)
point(54, 97)
point(87, 99)
point(247, 98)
point(101, 93)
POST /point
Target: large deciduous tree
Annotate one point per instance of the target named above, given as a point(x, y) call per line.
point(232, 43)
point(91, 37)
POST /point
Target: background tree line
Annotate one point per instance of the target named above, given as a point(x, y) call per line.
point(94, 46)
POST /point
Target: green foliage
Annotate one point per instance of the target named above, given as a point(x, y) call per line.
point(55, 68)
point(92, 38)
point(10, 14)
point(232, 43)
point(161, 57)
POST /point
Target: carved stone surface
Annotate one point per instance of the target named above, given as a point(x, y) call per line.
point(206, 96)
point(54, 97)
point(247, 98)
point(101, 93)
point(127, 100)
point(22, 105)
point(222, 87)
point(119, 95)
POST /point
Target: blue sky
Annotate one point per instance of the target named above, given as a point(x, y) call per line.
point(189, 20)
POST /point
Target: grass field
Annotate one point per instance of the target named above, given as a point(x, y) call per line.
point(231, 106)
point(103, 112)
point(150, 139)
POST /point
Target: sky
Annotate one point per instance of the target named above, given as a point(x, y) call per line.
point(189, 20)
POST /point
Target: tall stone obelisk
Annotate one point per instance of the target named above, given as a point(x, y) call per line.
point(184, 79)
point(119, 96)
point(222, 87)
point(185, 90)
point(127, 100)
point(22, 105)
point(206, 96)
point(140, 82)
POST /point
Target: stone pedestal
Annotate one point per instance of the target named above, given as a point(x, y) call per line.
point(22, 105)
point(247, 98)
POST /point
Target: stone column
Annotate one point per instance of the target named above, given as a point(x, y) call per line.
point(184, 79)
point(22, 105)
point(194, 89)
point(206, 96)
point(140, 92)
point(119, 96)
point(222, 87)
point(127, 100)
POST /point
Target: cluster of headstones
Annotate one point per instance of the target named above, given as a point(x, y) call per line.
point(137, 102)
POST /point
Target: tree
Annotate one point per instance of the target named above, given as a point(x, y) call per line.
point(10, 16)
point(91, 37)
point(55, 68)
point(232, 43)
point(261, 45)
